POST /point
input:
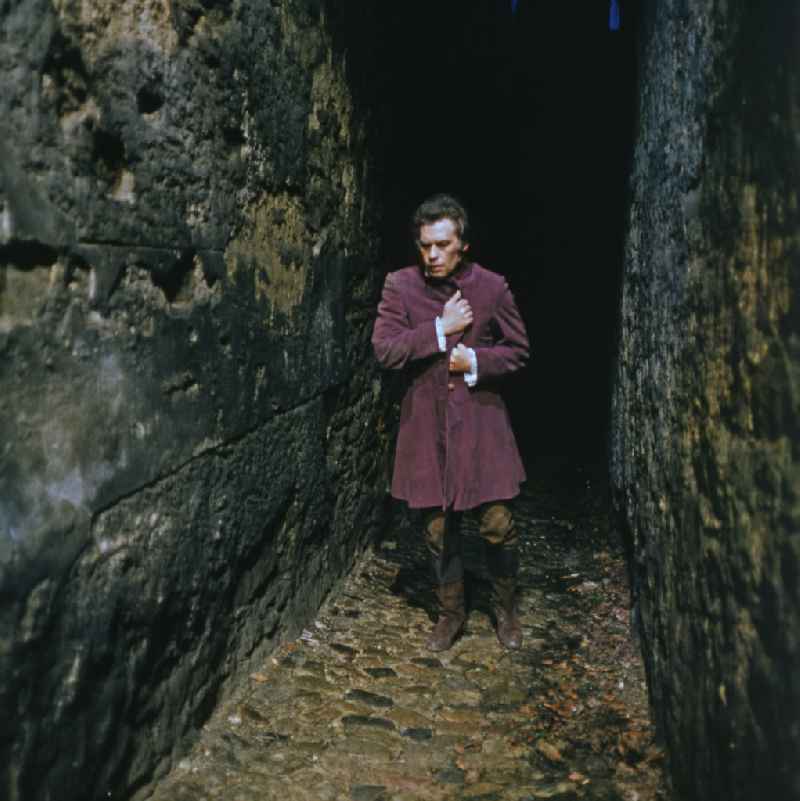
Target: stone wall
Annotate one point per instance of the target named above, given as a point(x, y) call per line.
point(190, 441)
point(707, 402)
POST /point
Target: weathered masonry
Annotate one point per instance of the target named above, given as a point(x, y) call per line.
point(198, 200)
point(189, 417)
point(706, 412)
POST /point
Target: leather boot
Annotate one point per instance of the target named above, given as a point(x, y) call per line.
point(451, 616)
point(502, 558)
point(509, 630)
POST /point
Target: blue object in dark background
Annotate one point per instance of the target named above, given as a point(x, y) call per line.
point(514, 4)
point(614, 17)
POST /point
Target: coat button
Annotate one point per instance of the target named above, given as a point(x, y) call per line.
point(451, 386)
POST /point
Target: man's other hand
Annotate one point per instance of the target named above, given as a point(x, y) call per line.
point(459, 359)
point(457, 315)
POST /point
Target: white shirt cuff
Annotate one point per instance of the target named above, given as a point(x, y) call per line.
point(471, 378)
point(440, 334)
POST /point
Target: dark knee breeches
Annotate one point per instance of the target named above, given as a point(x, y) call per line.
point(443, 538)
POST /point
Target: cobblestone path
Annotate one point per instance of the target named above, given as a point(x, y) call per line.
point(357, 709)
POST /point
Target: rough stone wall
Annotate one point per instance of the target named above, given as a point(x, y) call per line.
point(190, 442)
point(706, 407)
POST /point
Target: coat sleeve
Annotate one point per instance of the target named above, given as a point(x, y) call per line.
point(510, 351)
point(394, 340)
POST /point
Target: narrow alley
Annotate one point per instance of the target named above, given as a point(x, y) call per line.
point(206, 590)
point(357, 709)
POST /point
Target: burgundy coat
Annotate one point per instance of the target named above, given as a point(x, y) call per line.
point(455, 446)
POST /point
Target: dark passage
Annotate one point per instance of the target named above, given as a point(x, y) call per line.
point(528, 118)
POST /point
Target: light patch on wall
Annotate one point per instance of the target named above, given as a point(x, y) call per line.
point(6, 221)
point(123, 189)
point(23, 292)
point(331, 99)
point(105, 26)
point(761, 287)
point(69, 454)
point(77, 487)
point(275, 245)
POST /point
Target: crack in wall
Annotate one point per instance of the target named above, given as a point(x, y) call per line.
point(210, 450)
point(166, 248)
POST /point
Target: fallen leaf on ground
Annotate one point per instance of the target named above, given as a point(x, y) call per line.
point(549, 751)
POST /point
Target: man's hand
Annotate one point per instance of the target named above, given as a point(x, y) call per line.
point(457, 315)
point(459, 359)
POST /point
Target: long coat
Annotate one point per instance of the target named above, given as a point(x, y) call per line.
point(455, 446)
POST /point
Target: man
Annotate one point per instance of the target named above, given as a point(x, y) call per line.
point(455, 328)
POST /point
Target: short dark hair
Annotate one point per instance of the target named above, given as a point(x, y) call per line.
point(438, 207)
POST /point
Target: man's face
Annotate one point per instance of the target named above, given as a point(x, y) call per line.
point(440, 247)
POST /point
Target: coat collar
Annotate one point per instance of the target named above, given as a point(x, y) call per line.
point(460, 278)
